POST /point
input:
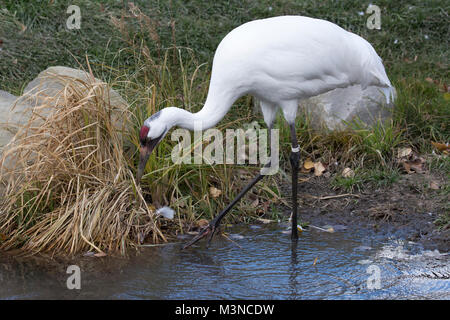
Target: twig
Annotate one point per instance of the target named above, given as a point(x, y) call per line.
point(321, 229)
point(336, 196)
point(231, 240)
point(158, 244)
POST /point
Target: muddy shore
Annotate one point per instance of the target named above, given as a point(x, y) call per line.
point(407, 209)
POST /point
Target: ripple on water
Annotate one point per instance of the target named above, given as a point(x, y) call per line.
point(259, 263)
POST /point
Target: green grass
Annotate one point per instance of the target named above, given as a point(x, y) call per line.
point(161, 55)
point(375, 177)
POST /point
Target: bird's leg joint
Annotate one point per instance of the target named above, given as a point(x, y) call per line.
point(295, 159)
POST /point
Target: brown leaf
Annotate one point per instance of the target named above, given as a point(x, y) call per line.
point(348, 173)
point(413, 166)
point(202, 223)
point(315, 261)
point(265, 221)
point(308, 164)
point(255, 203)
point(265, 205)
point(445, 148)
point(100, 254)
point(434, 185)
point(318, 169)
point(404, 152)
point(214, 192)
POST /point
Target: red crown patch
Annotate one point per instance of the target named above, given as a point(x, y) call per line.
point(143, 133)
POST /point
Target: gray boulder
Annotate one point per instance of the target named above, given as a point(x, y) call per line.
point(333, 110)
point(6, 101)
point(51, 82)
point(43, 94)
point(14, 111)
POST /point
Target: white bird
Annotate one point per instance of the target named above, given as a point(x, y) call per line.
point(281, 61)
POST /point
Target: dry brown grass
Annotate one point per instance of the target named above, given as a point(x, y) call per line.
point(70, 188)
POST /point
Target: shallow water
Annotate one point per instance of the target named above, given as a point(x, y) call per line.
point(259, 263)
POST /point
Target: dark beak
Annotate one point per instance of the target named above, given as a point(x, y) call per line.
point(146, 151)
point(143, 158)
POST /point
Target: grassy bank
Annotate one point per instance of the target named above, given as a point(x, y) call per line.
point(159, 53)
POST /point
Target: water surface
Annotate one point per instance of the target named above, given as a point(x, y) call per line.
point(259, 263)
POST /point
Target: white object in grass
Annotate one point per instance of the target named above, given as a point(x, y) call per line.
point(166, 212)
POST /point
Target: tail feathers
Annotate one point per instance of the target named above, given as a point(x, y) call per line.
point(389, 93)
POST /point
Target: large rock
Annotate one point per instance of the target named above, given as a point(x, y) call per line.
point(6, 101)
point(48, 88)
point(13, 112)
point(335, 109)
point(51, 82)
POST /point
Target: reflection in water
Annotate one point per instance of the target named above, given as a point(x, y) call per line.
point(260, 263)
point(293, 273)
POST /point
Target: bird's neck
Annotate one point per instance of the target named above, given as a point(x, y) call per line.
point(213, 111)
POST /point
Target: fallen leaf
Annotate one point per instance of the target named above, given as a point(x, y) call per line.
point(403, 152)
point(413, 166)
point(445, 148)
point(100, 254)
point(303, 179)
point(265, 221)
point(348, 173)
point(434, 185)
point(308, 164)
point(318, 169)
point(255, 203)
point(214, 192)
point(315, 260)
point(265, 205)
point(202, 223)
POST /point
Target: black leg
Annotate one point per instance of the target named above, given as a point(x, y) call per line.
point(212, 227)
point(294, 159)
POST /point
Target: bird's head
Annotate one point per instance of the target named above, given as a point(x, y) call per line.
point(150, 135)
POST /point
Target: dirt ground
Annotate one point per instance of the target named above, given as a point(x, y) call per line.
point(407, 209)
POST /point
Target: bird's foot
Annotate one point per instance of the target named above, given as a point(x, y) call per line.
point(210, 230)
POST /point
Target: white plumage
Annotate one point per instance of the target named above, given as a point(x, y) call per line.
point(281, 61)
point(165, 212)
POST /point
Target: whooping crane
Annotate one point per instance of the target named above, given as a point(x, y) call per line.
point(279, 60)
